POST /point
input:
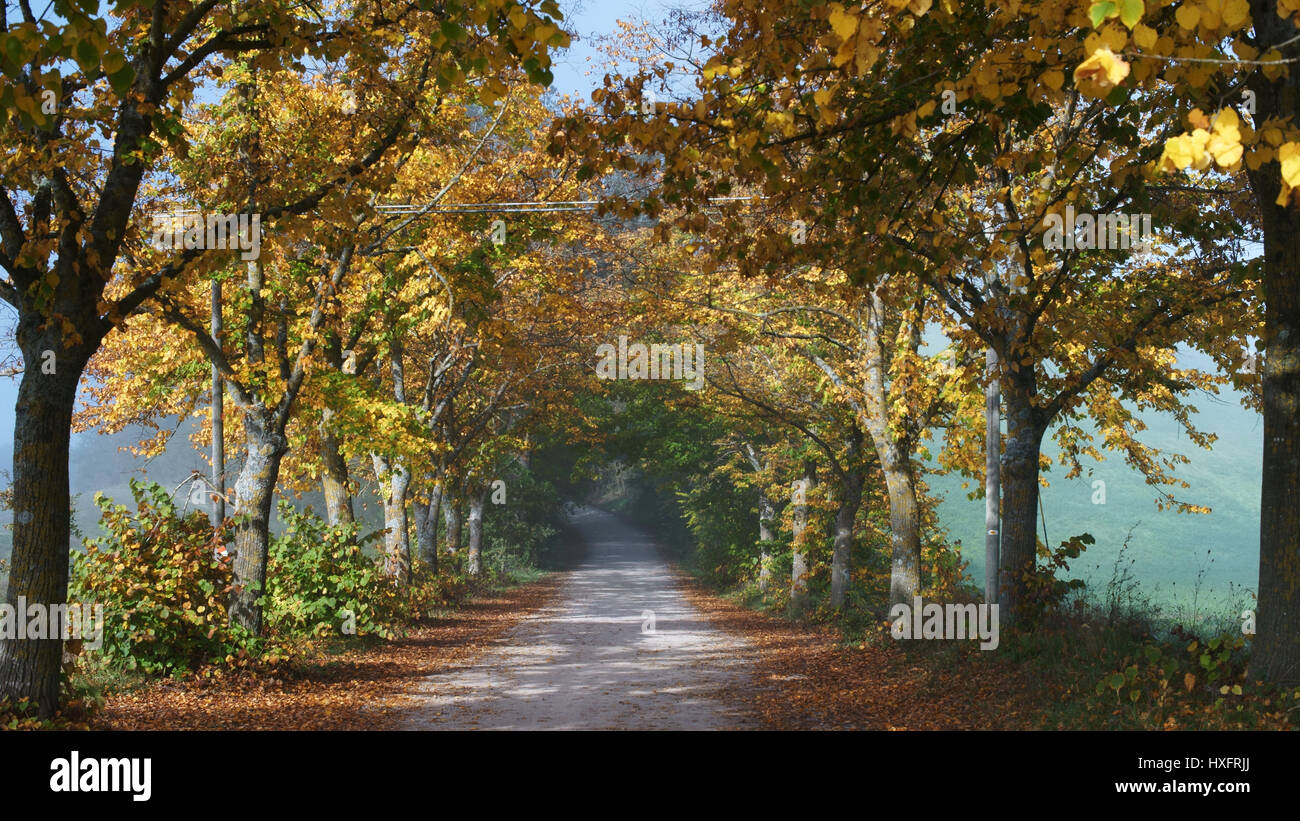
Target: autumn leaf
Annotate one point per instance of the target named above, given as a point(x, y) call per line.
point(1101, 72)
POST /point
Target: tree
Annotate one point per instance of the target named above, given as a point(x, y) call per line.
point(1234, 59)
point(914, 138)
point(69, 215)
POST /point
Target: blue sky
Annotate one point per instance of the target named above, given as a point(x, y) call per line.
point(592, 19)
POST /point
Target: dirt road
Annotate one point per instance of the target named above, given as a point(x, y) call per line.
point(620, 648)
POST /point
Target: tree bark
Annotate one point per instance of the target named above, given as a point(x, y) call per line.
point(254, 495)
point(904, 525)
point(799, 563)
point(397, 540)
point(452, 515)
point(334, 474)
point(38, 574)
point(992, 477)
point(1019, 473)
point(1275, 655)
point(1276, 652)
point(766, 513)
point(842, 552)
point(426, 529)
point(474, 554)
point(894, 453)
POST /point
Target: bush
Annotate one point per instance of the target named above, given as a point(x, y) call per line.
point(1199, 685)
point(1045, 592)
point(320, 581)
point(161, 584)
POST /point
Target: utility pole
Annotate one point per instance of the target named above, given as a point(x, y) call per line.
point(992, 476)
point(218, 417)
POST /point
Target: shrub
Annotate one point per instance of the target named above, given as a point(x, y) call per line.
point(1199, 685)
point(161, 584)
point(320, 581)
point(1044, 591)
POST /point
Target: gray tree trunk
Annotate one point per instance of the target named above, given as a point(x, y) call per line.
point(1019, 474)
point(766, 513)
point(254, 495)
point(397, 540)
point(218, 417)
point(426, 529)
point(334, 474)
point(842, 552)
point(992, 478)
point(452, 515)
point(799, 563)
point(1275, 655)
point(474, 554)
point(893, 451)
point(904, 525)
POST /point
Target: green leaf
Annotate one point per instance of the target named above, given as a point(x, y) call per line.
point(121, 79)
point(87, 56)
point(1102, 11)
point(1131, 12)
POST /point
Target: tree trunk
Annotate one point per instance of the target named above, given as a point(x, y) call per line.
point(842, 552)
point(799, 564)
point(426, 529)
point(29, 668)
point(1019, 474)
point(334, 474)
point(452, 515)
point(254, 495)
point(397, 540)
point(904, 525)
point(1275, 655)
point(766, 513)
point(474, 556)
point(992, 477)
point(893, 450)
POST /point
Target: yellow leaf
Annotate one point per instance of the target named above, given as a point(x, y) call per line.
point(1101, 72)
point(1226, 153)
point(844, 23)
point(1289, 157)
point(1188, 16)
point(1144, 36)
point(1226, 122)
point(1236, 13)
point(1179, 153)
